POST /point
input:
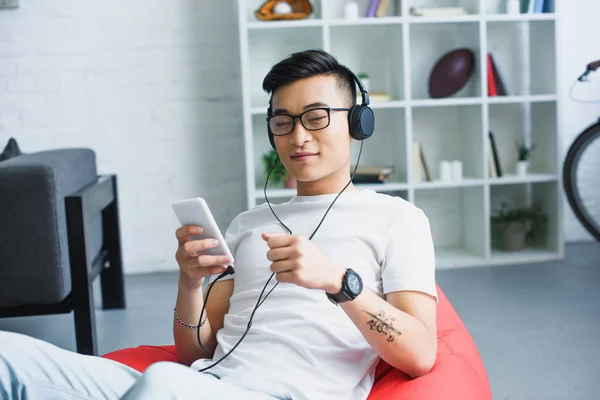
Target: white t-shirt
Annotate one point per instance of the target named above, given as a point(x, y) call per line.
point(300, 343)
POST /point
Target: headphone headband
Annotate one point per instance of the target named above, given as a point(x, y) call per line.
point(363, 91)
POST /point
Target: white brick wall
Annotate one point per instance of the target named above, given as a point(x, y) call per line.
point(152, 86)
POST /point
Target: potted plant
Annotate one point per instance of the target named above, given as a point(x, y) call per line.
point(524, 156)
point(279, 173)
point(514, 228)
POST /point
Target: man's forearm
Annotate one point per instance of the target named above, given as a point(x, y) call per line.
point(188, 306)
point(400, 339)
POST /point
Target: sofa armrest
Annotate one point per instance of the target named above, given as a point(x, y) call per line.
point(34, 262)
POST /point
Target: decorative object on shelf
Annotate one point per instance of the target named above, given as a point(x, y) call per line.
point(514, 228)
point(365, 80)
point(279, 174)
point(456, 170)
point(437, 12)
point(272, 10)
point(451, 73)
point(524, 156)
point(513, 7)
point(445, 170)
point(372, 173)
point(351, 11)
point(282, 7)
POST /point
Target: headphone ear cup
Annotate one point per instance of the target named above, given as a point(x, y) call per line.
point(361, 121)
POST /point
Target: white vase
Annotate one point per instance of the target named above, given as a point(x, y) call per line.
point(522, 168)
point(351, 10)
point(513, 7)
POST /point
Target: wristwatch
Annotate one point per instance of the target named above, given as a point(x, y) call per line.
point(352, 286)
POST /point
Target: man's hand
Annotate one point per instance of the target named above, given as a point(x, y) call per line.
point(295, 259)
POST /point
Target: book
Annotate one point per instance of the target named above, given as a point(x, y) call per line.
point(499, 77)
point(437, 11)
point(548, 6)
point(372, 8)
point(375, 97)
point(382, 8)
point(372, 173)
point(425, 165)
point(495, 154)
point(416, 162)
point(491, 163)
point(539, 6)
point(492, 90)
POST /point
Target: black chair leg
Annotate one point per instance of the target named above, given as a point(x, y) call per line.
point(81, 284)
point(113, 291)
point(85, 321)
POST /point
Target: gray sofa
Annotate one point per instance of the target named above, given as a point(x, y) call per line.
point(59, 230)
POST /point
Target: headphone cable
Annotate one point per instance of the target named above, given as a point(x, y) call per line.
point(259, 301)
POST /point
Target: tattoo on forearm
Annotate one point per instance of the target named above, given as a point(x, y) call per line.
point(383, 325)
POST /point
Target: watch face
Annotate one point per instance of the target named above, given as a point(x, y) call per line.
point(354, 283)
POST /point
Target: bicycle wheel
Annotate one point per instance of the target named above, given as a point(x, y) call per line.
point(581, 178)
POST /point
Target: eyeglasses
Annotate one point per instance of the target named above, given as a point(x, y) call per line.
point(313, 120)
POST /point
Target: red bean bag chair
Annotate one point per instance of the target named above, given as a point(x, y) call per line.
point(458, 373)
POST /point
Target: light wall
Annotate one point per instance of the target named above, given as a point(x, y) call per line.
point(577, 38)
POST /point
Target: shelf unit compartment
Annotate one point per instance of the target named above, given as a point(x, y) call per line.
point(544, 135)
point(495, 6)
point(522, 56)
point(450, 133)
point(470, 6)
point(268, 48)
point(387, 145)
point(457, 221)
point(543, 57)
point(429, 42)
point(507, 44)
point(534, 123)
point(253, 5)
point(524, 195)
point(354, 46)
point(336, 9)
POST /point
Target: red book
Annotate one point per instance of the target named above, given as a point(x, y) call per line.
point(492, 90)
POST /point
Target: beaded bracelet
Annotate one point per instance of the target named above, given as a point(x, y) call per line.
point(188, 325)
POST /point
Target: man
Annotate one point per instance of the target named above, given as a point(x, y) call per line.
point(355, 282)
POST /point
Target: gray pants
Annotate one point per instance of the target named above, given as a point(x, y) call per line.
point(33, 369)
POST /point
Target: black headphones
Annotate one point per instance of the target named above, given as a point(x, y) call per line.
point(361, 120)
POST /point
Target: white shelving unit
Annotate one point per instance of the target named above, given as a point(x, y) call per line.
point(398, 51)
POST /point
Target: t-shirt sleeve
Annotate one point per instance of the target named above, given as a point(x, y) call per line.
point(409, 262)
point(231, 236)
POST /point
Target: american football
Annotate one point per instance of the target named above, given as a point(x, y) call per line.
point(451, 73)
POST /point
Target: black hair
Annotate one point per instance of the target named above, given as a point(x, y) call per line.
point(305, 64)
